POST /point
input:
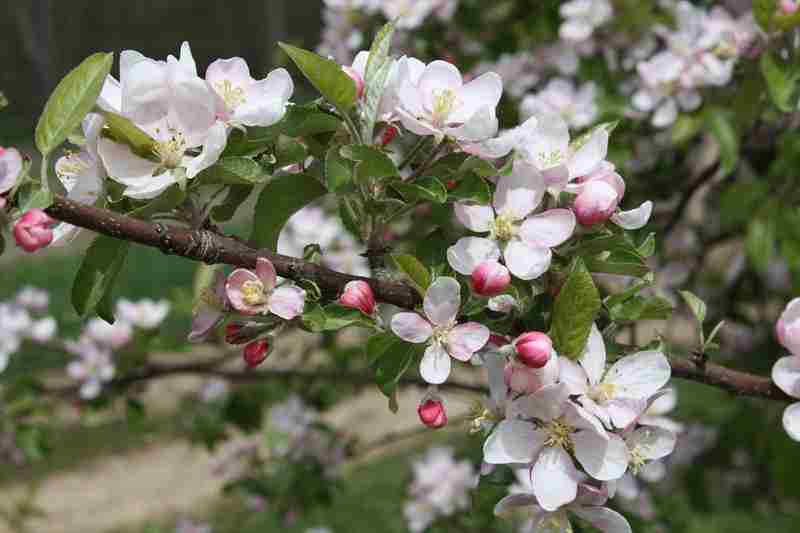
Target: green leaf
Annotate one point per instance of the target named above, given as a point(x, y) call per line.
point(479, 166)
point(620, 264)
point(422, 190)
point(641, 308)
point(575, 310)
point(764, 11)
point(122, 130)
point(728, 139)
point(379, 65)
point(472, 188)
point(686, 127)
point(36, 199)
point(416, 272)
point(74, 96)
point(696, 305)
point(614, 300)
point(781, 82)
point(233, 170)
point(648, 247)
point(372, 163)
point(289, 151)
point(237, 194)
point(333, 317)
point(760, 242)
point(391, 358)
point(325, 75)
point(93, 285)
point(354, 217)
point(338, 170)
point(739, 201)
point(280, 199)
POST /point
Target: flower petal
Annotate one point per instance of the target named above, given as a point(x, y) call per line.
point(526, 262)
point(573, 376)
point(265, 271)
point(514, 501)
point(651, 442)
point(233, 290)
point(411, 327)
point(791, 421)
point(474, 217)
point(484, 91)
point(287, 302)
point(469, 252)
point(435, 365)
point(546, 404)
point(466, 339)
point(123, 165)
point(603, 459)
point(555, 478)
point(266, 100)
point(604, 519)
point(214, 145)
point(519, 193)
point(593, 359)
point(786, 375)
point(442, 301)
point(640, 375)
point(513, 441)
point(635, 218)
point(590, 154)
point(548, 229)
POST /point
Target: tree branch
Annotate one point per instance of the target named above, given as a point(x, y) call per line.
point(210, 247)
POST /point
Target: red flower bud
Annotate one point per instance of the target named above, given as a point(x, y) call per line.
point(490, 278)
point(232, 334)
point(596, 203)
point(358, 295)
point(255, 352)
point(388, 135)
point(33, 230)
point(533, 349)
point(356, 77)
point(432, 414)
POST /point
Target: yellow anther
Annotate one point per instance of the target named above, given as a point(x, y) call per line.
point(232, 95)
point(253, 292)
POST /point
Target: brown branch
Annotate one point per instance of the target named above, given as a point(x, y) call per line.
point(210, 247)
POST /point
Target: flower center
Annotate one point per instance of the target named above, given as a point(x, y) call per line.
point(440, 334)
point(549, 159)
point(73, 164)
point(171, 151)
point(603, 392)
point(553, 523)
point(559, 433)
point(444, 102)
point(504, 229)
point(253, 292)
point(232, 95)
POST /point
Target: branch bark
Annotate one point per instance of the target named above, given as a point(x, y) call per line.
point(210, 247)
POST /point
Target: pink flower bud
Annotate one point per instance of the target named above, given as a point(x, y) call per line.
point(358, 295)
point(356, 77)
point(533, 349)
point(595, 204)
point(490, 278)
point(789, 7)
point(33, 230)
point(431, 413)
point(388, 135)
point(788, 327)
point(255, 353)
point(233, 334)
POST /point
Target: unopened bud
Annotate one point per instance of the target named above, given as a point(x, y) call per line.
point(357, 79)
point(596, 203)
point(789, 7)
point(255, 352)
point(233, 334)
point(533, 349)
point(490, 278)
point(388, 135)
point(33, 231)
point(432, 414)
point(358, 295)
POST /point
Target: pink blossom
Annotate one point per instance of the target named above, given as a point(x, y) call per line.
point(533, 349)
point(490, 278)
point(431, 413)
point(358, 295)
point(33, 231)
point(257, 292)
point(255, 352)
point(788, 327)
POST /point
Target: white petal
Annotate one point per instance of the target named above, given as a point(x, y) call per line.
point(545, 404)
point(526, 262)
point(411, 327)
point(651, 442)
point(482, 92)
point(572, 376)
point(548, 229)
point(591, 153)
point(593, 359)
point(439, 76)
point(602, 459)
point(123, 165)
point(479, 127)
point(212, 149)
point(512, 502)
point(640, 375)
point(791, 421)
point(266, 100)
point(287, 302)
point(548, 145)
point(442, 301)
point(152, 187)
point(435, 365)
point(665, 114)
point(786, 375)
point(555, 478)
point(469, 252)
point(625, 411)
point(519, 193)
point(604, 519)
point(233, 70)
point(635, 218)
point(512, 441)
point(466, 339)
point(474, 217)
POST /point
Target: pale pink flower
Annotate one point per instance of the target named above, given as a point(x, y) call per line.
point(144, 314)
point(10, 168)
point(258, 292)
point(787, 328)
point(33, 231)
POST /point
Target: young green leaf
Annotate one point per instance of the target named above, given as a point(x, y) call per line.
point(279, 200)
point(575, 310)
point(372, 163)
point(696, 306)
point(74, 96)
point(472, 188)
point(414, 270)
point(93, 285)
point(325, 75)
point(723, 130)
point(376, 74)
point(122, 130)
point(338, 170)
point(422, 190)
point(781, 81)
point(237, 194)
point(760, 242)
point(232, 171)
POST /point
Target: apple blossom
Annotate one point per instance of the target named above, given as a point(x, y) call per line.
point(210, 309)
point(431, 413)
point(33, 231)
point(533, 349)
point(111, 336)
point(242, 100)
point(444, 337)
point(411, 14)
point(787, 328)
point(358, 295)
point(10, 168)
point(490, 278)
point(33, 298)
point(616, 396)
point(258, 292)
point(93, 368)
point(576, 106)
point(255, 352)
point(583, 17)
point(144, 314)
point(402, 71)
point(442, 105)
point(524, 240)
point(504, 303)
point(788, 7)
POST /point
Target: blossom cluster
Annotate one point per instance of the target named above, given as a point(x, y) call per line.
point(24, 318)
point(440, 488)
point(786, 372)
